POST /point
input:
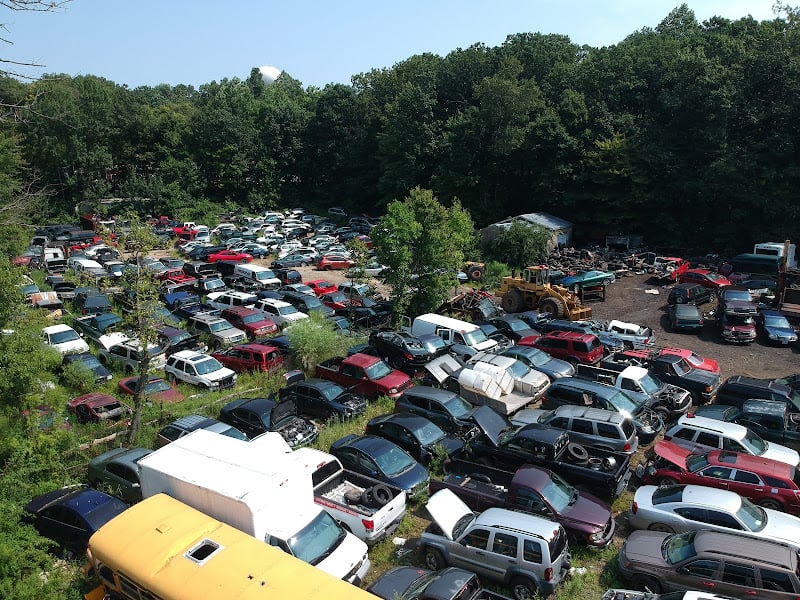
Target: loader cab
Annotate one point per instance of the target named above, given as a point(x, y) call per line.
point(537, 276)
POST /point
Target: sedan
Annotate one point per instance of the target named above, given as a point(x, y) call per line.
point(418, 436)
point(587, 279)
point(324, 399)
point(89, 361)
point(381, 459)
point(401, 350)
point(327, 262)
point(255, 416)
point(156, 388)
point(540, 361)
point(515, 329)
point(117, 471)
point(256, 250)
point(292, 260)
point(321, 286)
point(684, 317)
point(230, 256)
point(336, 300)
point(94, 407)
point(681, 508)
point(774, 326)
point(706, 278)
point(70, 516)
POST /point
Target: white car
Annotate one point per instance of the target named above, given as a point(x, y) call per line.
point(199, 369)
point(64, 339)
point(279, 311)
point(680, 508)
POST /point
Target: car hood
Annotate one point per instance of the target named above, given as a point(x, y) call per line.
point(395, 380)
point(587, 510)
point(447, 509)
point(781, 332)
point(491, 423)
point(782, 454)
point(526, 416)
point(644, 547)
point(673, 453)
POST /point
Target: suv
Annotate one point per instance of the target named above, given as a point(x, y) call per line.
point(524, 551)
point(728, 563)
point(445, 408)
point(174, 340)
point(699, 434)
point(199, 369)
point(689, 293)
point(739, 388)
point(610, 340)
point(571, 346)
point(279, 311)
point(128, 355)
point(596, 427)
point(306, 303)
point(189, 423)
point(250, 357)
point(222, 332)
point(254, 322)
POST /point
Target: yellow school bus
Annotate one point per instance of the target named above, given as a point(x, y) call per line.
point(161, 549)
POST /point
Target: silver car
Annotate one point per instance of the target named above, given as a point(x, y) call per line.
point(681, 508)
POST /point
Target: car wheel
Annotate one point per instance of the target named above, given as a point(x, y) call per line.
point(680, 300)
point(523, 588)
point(646, 583)
point(576, 289)
point(434, 559)
point(665, 481)
point(771, 504)
point(606, 282)
point(661, 527)
point(303, 264)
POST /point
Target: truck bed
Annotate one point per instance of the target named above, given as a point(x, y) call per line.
point(506, 405)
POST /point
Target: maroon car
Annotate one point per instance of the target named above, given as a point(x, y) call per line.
point(156, 388)
point(253, 322)
point(706, 278)
point(768, 483)
point(250, 357)
point(97, 407)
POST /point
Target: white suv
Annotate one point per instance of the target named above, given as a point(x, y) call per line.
point(199, 369)
point(128, 354)
point(279, 311)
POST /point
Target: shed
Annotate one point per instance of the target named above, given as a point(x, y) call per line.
point(561, 229)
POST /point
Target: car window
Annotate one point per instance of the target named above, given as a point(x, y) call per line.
point(722, 519)
point(739, 574)
point(776, 580)
point(774, 482)
point(705, 569)
point(717, 472)
point(608, 431)
point(747, 477)
point(709, 439)
point(531, 551)
point(684, 434)
point(505, 544)
point(560, 422)
point(529, 499)
point(692, 513)
point(582, 426)
point(477, 538)
point(123, 472)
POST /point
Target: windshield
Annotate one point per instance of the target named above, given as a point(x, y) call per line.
point(475, 337)
point(738, 295)
point(394, 461)
point(624, 404)
point(650, 385)
point(220, 326)
point(337, 297)
point(378, 370)
point(264, 275)
point(776, 321)
point(538, 358)
point(433, 344)
point(209, 365)
point(457, 406)
point(317, 540)
point(213, 284)
point(252, 318)
point(429, 434)
point(61, 337)
point(287, 310)
point(559, 493)
point(694, 360)
point(519, 369)
point(160, 385)
point(754, 517)
point(331, 392)
point(678, 547)
point(681, 367)
point(695, 462)
point(754, 444)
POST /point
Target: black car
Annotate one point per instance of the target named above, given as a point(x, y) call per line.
point(514, 328)
point(401, 350)
point(684, 317)
point(446, 409)
point(324, 399)
point(407, 583)
point(383, 460)
point(689, 293)
point(69, 516)
point(173, 339)
point(203, 252)
point(89, 361)
point(288, 276)
point(255, 416)
point(739, 388)
point(418, 436)
point(361, 316)
point(91, 303)
point(306, 303)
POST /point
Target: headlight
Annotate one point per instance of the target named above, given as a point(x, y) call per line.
point(596, 536)
point(393, 391)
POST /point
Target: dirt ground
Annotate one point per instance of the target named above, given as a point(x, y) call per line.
point(626, 300)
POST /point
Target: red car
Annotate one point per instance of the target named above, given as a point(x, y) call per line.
point(156, 388)
point(336, 300)
point(254, 323)
point(321, 286)
point(231, 256)
point(706, 278)
point(95, 407)
point(250, 357)
point(571, 346)
point(326, 262)
point(695, 360)
point(176, 276)
point(768, 483)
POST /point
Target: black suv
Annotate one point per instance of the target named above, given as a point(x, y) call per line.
point(306, 303)
point(739, 388)
point(689, 293)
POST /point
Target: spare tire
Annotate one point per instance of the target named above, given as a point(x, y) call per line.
point(577, 453)
point(366, 497)
point(352, 496)
point(480, 477)
point(381, 494)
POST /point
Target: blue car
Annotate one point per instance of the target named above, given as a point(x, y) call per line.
point(383, 460)
point(776, 328)
point(69, 516)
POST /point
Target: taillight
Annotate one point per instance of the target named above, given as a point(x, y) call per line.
point(634, 508)
point(626, 447)
point(548, 574)
point(368, 524)
point(407, 355)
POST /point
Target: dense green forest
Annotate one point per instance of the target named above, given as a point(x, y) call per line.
point(687, 133)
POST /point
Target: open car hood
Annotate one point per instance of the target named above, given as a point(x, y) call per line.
point(447, 509)
point(491, 422)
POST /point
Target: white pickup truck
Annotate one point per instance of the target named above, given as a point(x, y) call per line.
point(368, 508)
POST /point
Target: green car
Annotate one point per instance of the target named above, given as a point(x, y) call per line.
point(586, 279)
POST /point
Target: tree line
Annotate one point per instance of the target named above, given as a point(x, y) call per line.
point(686, 133)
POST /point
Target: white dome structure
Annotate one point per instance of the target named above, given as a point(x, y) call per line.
point(269, 74)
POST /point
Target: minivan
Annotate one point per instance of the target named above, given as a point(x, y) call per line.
point(467, 338)
point(261, 276)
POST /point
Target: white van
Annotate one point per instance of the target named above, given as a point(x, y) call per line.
point(261, 276)
point(456, 332)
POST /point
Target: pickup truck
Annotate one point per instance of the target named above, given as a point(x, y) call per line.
point(489, 381)
point(630, 335)
point(504, 446)
point(669, 368)
point(364, 374)
point(665, 398)
point(368, 508)
point(536, 490)
point(95, 327)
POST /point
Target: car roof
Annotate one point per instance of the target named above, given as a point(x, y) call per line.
point(700, 495)
point(429, 393)
point(732, 430)
point(588, 412)
point(745, 547)
point(408, 420)
point(524, 523)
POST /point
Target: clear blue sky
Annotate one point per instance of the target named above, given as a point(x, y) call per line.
point(148, 42)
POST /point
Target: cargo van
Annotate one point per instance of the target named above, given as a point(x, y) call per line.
point(258, 275)
point(466, 338)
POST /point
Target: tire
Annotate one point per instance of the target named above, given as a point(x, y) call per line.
point(577, 453)
point(665, 481)
point(680, 300)
point(382, 494)
point(645, 583)
point(771, 504)
point(128, 370)
point(482, 477)
point(303, 264)
point(512, 301)
point(661, 527)
point(523, 588)
point(576, 289)
point(553, 305)
point(475, 273)
point(103, 360)
point(606, 282)
point(366, 497)
point(433, 559)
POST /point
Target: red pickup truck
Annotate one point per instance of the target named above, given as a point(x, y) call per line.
point(364, 374)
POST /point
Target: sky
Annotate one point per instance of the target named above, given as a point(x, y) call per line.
point(150, 42)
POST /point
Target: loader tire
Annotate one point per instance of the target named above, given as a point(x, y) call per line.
point(475, 273)
point(553, 305)
point(512, 301)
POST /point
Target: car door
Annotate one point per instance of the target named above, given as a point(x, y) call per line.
point(248, 422)
point(402, 437)
point(737, 580)
point(716, 476)
point(695, 574)
point(64, 526)
point(310, 401)
point(470, 551)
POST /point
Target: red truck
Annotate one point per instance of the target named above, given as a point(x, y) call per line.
point(365, 374)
